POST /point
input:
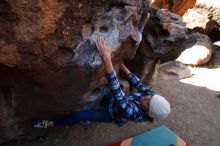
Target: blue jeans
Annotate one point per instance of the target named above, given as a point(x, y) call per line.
point(99, 115)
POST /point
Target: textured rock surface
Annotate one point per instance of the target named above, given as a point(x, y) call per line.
point(48, 59)
point(176, 6)
point(164, 30)
point(200, 18)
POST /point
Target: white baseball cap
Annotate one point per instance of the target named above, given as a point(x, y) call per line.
point(159, 107)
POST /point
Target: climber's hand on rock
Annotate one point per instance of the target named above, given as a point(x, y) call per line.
point(103, 48)
point(105, 51)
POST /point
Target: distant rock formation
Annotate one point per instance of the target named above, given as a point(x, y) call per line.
point(176, 6)
point(204, 18)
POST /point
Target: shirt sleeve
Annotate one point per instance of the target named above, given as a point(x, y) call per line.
point(135, 81)
point(127, 106)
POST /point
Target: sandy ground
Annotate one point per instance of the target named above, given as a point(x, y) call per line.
point(195, 117)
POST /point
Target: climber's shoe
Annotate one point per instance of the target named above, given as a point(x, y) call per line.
point(40, 124)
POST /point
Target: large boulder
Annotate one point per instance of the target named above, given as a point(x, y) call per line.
point(165, 37)
point(198, 50)
point(48, 59)
point(161, 35)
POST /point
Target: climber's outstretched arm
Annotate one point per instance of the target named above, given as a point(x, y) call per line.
point(129, 108)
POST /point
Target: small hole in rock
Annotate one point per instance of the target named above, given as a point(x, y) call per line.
point(103, 28)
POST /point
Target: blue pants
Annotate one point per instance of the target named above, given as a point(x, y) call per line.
point(100, 115)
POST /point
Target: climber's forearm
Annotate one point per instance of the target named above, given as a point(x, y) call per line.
point(125, 69)
point(108, 64)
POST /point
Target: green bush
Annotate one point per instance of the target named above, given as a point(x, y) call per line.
point(216, 17)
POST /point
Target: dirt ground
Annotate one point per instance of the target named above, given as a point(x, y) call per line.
point(195, 117)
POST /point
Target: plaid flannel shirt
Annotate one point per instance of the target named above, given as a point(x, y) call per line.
point(125, 107)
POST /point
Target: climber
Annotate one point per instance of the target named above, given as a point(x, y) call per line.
point(119, 108)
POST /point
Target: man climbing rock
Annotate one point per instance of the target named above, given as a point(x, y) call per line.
point(119, 108)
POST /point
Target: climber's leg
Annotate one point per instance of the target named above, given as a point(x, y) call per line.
point(105, 101)
point(101, 115)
